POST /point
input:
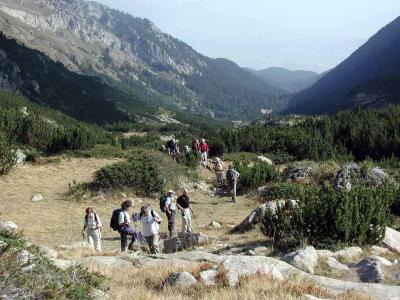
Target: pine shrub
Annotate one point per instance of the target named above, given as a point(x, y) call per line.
point(282, 190)
point(329, 218)
point(7, 156)
point(255, 175)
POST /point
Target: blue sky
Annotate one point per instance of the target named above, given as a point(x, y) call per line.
point(295, 34)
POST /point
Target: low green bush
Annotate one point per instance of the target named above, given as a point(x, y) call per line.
point(255, 175)
point(191, 161)
point(7, 156)
point(327, 218)
point(282, 190)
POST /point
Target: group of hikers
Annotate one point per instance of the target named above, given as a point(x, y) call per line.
point(173, 149)
point(122, 221)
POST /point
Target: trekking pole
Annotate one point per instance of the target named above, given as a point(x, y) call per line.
point(194, 218)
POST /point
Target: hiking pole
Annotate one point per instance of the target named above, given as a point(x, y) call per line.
point(194, 218)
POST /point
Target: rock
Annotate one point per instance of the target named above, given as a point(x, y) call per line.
point(215, 224)
point(334, 264)
point(311, 297)
point(98, 295)
point(48, 252)
point(28, 268)
point(251, 252)
point(75, 246)
point(262, 250)
point(298, 172)
point(172, 245)
point(350, 253)
point(62, 263)
point(381, 260)
point(369, 270)
point(237, 266)
point(265, 159)
point(24, 111)
point(20, 157)
point(23, 258)
point(209, 277)
point(108, 261)
point(181, 279)
point(8, 226)
point(257, 215)
point(325, 253)
point(397, 276)
point(376, 250)
point(190, 240)
point(344, 176)
point(37, 198)
point(392, 239)
point(304, 259)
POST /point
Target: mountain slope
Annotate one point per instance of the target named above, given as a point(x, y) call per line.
point(92, 39)
point(46, 82)
point(290, 81)
point(348, 85)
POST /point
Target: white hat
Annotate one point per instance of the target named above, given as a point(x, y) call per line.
point(170, 192)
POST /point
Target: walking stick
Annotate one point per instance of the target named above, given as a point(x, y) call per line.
point(194, 218)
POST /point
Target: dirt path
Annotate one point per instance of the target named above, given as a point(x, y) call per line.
point(57, 220)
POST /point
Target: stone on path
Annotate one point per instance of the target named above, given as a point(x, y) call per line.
point(8, 226)
point(181, 279)
point(304, 259)
point(392, 239)
point(37, 198)
point(215, 224)
point(334, 264)
point(185, 241)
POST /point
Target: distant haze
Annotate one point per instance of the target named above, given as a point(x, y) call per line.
point(310, 34)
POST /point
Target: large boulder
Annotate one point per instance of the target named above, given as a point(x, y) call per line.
point(334, 264)
point(107, 261)
point(265, 159)
point(349, 254)
point(237, 266)
point(8, 226)
point(295, 173)
point(257, 215)
point(392, 239)
point(181, 279)
point(304, 259)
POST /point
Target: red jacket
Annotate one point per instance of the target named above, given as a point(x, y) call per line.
point(203, 147)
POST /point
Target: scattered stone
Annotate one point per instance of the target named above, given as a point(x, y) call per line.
point(325, 253)
point(376, 250)
point(215, 224)
point(8, 226)
point(265, 159)
point(369, 270)
point(23, 258)
point(62, 263)
point(98, 295)
point(298, 172)
point(181, 279)
point(28, 268)
point(108, 261)
point(48, 252)
point(350, 253)
point(20, 157)
point(392, 239)
point(381, 260)
point(311, 297)
point(262, 250)
point(209, 277)
point(172, 245)
point(37, 198)
point(24, 111)
point(334, 264)
point(251, 252)
point(237, 266)
point(304, 259)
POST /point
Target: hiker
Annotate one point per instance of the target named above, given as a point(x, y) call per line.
point(186, 150)
point(168, 206)
point(125, 229)
point(219, 171)
point(195, 146)
point(232, 177)
point(204, 152)
point(151, 227)
point(176, 151)
point(92, 225)
point(171, 144)
point(184, 206)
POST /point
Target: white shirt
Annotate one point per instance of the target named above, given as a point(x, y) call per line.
point(91, 221)
point(123, 215)
point(150, 226)
point(170, 203)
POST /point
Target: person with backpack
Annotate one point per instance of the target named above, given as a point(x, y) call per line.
point(219, 171)
point(168, 206)
point(121, 222)
point(150, 221)
point(195, 146)
point(183, 204)
point(232, 177)
point(204, 152)
point(92, 225)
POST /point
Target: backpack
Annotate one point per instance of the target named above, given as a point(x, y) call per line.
point(95, 218)
point(230, 176)
point(163, 200)
point(114, 224)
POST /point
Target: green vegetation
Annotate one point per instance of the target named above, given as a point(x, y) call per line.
point(282, 191)
point(146, 173)
point(327, 218)
point(255, 175)
point(43, 280)
point(7, 156)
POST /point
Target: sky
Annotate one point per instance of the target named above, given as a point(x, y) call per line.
point(295, 34)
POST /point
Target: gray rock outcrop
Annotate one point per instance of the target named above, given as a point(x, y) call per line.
point(304, 259)
point(181, 279)
point(392, 239)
